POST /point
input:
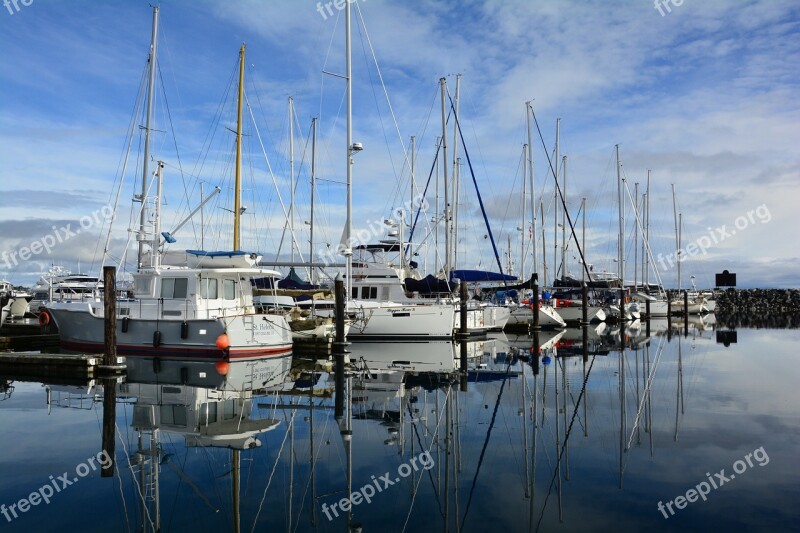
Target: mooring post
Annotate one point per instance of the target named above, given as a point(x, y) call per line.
point(464, 297)
point(686, 313)
point(534, 303)
point(339, 348)
point(464, 370)
point(110, 315)
point(535, 352)
point(109, 426)
point(585, 298)
point(622, 307)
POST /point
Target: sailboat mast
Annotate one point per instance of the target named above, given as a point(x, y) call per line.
point(148, 120)
point(522, 225)
point(528, 110)
point(636, 236)
point(621, 242)
point(456, 171)
point(583, 240)
point(447, 264)
point(677, 236)
point(348, 227)
point(291, 171)
point(564, 224)
point(555, 200)
point(312, 274)
point(646, 274)
point(237, 203)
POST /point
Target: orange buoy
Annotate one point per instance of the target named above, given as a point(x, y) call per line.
point(222, 368)
point(223, 342)
point(44, 318)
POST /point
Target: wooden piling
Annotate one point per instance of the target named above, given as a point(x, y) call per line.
point(463, 332)
point(109, 425)
point(585, 298)
point(685, 313)
point(534, 303)
point(339, 348)
point(110, 315)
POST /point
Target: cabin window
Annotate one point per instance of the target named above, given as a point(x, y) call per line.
point(355, 292)
point(384, 293)
point(174, 288)
point(368, 293)
point(229, 289)
point(208, 288)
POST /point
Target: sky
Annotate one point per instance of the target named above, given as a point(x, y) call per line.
point(703, 94)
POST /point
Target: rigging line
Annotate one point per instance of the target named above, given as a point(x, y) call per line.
point(383, 86)
point(121, 172)
point(433, 439)
point(294, 183)
point(136, 481)
point(563, 202)
point(647, 390)
point(475, 182)
point(430, 474)
point(274, 466)
point(272, 175)
point(566, 439)
point(486, 440)
point(380, 119)
point(177, 152)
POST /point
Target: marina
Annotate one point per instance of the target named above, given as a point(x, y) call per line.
point(356, 266)
point(588, 430)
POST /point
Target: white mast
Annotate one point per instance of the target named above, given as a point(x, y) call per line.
point(646, 276)
point(312, 274)
point(145, 171)
point(522, 226)
point(447, 264)
point(348, 227)
point(677, 235)
point(555, 201)
point(621, 237)
point(155, 244)
point(564, 223)
point(636, 236)
point(436, 214)
point(291, 171)
point(456, 172)
point(528, 112)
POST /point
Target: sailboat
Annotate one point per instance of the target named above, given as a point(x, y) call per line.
point(379, 315)
point(201, 307)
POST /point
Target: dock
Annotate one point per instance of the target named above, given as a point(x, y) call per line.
point(32, 365)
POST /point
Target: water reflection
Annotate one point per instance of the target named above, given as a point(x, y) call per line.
point(576, 429)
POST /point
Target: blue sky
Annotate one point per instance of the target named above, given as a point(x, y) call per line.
point(704, 95)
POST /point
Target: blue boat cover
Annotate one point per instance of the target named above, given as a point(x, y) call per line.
point(471, 276)
point(203, 253)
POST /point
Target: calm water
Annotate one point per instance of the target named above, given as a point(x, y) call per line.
point(652, 422)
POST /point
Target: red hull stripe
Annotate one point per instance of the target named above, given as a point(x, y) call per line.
point(167, 351)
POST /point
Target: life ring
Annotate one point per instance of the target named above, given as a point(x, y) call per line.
point(44, 318)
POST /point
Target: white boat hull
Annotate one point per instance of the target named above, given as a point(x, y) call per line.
point(548, 317)
point(249, 335)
